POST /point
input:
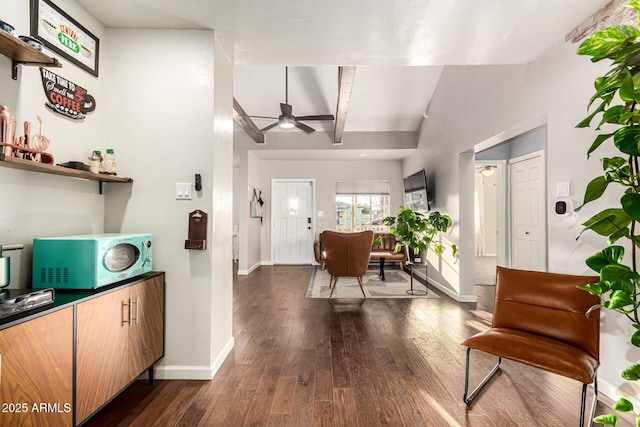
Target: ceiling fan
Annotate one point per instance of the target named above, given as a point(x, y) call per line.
point(287, 120)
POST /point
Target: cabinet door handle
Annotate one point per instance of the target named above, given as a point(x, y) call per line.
point(124, 304)
point(136, 303)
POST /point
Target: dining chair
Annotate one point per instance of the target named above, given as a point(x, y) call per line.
point(347, 255)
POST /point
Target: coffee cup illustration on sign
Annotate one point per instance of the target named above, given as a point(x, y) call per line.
point(65, 97)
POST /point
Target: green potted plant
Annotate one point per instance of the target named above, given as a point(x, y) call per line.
point(418, 231)
point(616, 103)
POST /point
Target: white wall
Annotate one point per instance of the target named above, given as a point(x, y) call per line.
point(170, 118)
point(325, 173)
point(40, 205)
point(499, 102)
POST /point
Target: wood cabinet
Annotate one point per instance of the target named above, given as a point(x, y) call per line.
point(118, 336)
point(36, 371)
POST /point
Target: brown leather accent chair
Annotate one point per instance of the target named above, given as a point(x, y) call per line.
point(347, 255)
point(539, 319)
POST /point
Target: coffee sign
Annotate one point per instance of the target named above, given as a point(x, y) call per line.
point(65, 97)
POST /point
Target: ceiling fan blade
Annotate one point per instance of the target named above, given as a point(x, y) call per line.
point(317, 117)
point(260, 117)
point(286, 109)
point(269, 127)
point(304, 127)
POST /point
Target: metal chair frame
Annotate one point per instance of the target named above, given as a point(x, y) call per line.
point(468, 397)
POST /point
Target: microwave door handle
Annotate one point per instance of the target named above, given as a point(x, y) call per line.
point(146, 252)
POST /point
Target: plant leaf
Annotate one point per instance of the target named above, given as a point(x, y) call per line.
point(607, 222)
point(612, 115)
point(614, 237)
point(607, 256)
point(606, 86)
point(622, 405)
point(627, 138)
point(617, 273)
point(598, 142)
point(607, 41)
point(594, 190)
point(632, 373)
point(592, 288)
point(587, 120)
point(631, 204)
point(627, 93)
point(618, 299)
point(635, 339)
point(608, 419)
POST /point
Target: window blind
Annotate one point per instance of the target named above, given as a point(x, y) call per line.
point(363, 187)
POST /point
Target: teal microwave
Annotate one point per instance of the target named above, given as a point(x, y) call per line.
point(89, 261)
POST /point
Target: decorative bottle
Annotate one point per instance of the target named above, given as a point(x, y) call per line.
point(110, 162)
point(94, 162)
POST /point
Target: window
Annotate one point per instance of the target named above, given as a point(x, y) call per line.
point(362, 205)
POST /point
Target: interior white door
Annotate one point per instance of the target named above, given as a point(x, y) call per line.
point(528, 221)
point(292, 233)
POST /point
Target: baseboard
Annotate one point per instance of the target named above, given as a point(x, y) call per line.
point(607, 394)
point(445, 290)
point(249, 270)
point(177, 372)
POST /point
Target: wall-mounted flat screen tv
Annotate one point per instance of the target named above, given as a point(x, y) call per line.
point(416, 192)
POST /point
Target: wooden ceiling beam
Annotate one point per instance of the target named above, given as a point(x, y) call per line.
point(345, 84)
point(242, 119)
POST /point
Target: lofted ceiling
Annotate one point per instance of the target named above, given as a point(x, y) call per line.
point(399, 47)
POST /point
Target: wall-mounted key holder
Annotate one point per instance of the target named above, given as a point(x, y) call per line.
point(197, 231)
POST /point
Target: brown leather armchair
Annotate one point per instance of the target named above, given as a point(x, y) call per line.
point(346, 255)
point(386, 250)
point(540, 320)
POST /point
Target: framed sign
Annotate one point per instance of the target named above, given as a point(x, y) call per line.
point(64, 35)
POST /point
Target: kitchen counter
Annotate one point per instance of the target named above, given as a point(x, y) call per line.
point(68, 297)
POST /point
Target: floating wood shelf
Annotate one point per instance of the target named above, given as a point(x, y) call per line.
point(32, 166)
point(21, 53)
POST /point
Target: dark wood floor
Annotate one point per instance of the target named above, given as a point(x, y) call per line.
point(375, 362)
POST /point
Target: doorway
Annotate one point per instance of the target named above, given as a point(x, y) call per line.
point(292, 224)
point(490, 224)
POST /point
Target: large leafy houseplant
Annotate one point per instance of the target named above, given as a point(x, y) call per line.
point(616, 104)
point(418, 231)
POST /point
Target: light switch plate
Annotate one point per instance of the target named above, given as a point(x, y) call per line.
point(563, 189)
point(183, 191)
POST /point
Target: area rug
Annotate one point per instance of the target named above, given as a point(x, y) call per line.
point(395, 286)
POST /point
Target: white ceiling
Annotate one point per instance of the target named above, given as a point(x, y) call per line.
point(398, 46)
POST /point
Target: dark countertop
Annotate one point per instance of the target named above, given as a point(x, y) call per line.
point(68, 297)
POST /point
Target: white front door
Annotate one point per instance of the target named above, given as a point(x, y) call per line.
point(292, 232)
point(528, 221)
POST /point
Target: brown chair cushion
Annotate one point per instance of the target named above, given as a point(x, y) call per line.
point(537, 351)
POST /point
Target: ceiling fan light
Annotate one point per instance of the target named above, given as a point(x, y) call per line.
point(286, 122)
